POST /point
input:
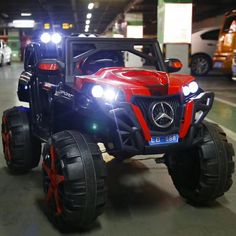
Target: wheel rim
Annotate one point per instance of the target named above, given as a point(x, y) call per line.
point(6, 139)
point(52, 182)
point(200, 65)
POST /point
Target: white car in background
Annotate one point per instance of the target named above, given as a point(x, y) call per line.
point(5, 53)
point(203, 47)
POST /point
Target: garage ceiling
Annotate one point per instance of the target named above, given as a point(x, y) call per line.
point(59, 11)
point(104, 13)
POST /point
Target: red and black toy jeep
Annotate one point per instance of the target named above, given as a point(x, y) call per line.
point(118, 92)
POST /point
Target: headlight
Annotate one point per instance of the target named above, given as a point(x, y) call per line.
point(186, 90)
point(56, 38)
point(97, 91)
point(192, 87)
point(45, 38)
point(108, 94)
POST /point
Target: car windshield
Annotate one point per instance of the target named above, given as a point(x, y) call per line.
point(85, 58)
point(140, 57)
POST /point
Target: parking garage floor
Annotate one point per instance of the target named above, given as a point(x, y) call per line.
point(142, 199)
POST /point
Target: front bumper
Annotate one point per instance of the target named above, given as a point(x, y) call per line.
point(129, 135)
point(222, 62)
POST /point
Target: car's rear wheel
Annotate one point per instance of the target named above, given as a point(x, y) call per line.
point(74, 180)
point(21, 149)
point(203, 173)
point(200, 65)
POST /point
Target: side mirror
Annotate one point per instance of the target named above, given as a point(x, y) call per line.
point(173, 65)
point(50, 66)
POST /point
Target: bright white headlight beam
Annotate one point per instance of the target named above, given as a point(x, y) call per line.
point(193, 87)
point(56, 38)
point(97, 91)
point(45, 38)
point(186, 90)
point(109, 94)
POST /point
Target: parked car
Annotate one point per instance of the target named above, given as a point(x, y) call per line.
point(223, 56)
point(5, 53)
point(204, 44)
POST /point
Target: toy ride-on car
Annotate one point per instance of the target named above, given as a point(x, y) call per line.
point(121, 93)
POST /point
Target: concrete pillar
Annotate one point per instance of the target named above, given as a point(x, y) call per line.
point(174, 30)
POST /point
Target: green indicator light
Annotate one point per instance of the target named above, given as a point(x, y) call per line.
point(94, 126)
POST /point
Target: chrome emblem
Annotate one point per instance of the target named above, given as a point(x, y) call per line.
point(162, 114)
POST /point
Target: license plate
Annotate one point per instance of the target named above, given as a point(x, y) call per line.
point(218, 64)
point(158, 140)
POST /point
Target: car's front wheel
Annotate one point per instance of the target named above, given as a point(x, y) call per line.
point(203, 173)
point(74, 179)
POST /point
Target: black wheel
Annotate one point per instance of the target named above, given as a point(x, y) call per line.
point(1, 61)
point(74, 180)
point(21, 150)
point(200, 65)
point(203, 173)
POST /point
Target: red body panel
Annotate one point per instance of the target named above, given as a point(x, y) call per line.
point(139, 82)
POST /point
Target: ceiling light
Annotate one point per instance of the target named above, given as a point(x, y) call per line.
point(23, 23)
point(89, 15)
point(26, 14)
point(86, 30)
point(90, 5)
point(87, 22)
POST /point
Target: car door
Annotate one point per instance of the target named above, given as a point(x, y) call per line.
point(209, 41)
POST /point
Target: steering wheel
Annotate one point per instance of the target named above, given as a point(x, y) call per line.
point(90, 66)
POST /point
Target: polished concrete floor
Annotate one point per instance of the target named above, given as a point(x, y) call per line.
point(142, 199)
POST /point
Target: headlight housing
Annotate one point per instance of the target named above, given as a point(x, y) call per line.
point(109, 94)
point(51, 37)
point(191, 88)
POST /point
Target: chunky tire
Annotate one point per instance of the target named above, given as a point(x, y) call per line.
point(200, 64)
point(203, 173)
point(21, 150)
point(74, 180)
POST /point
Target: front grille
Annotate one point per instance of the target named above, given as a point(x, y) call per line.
point(145, 104)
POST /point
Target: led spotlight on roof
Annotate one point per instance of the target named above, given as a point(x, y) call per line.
point(56, 38)
point(45, 37)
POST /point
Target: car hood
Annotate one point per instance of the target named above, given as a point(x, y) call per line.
point(131, 78)
point(136, 81)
